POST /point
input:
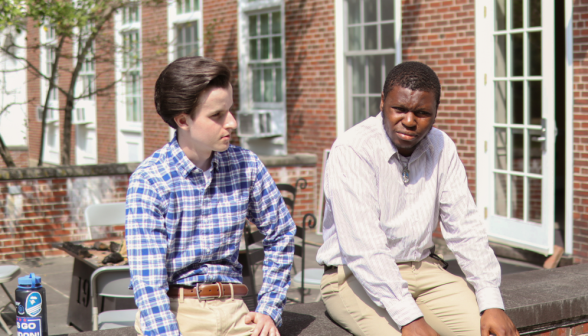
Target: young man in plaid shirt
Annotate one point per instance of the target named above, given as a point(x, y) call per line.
point(186, 207)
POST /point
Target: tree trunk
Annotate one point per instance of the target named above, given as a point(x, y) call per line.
point(5, 153)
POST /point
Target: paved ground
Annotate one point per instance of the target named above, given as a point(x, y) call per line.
point(56, 276)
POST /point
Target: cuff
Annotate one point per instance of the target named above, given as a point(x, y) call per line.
point(489, 297)
point(404, 311)
point(273, 312)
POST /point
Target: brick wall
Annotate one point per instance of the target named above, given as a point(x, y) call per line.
point(441, 34)
point(19, 156)
point(305, 198)
point(310, 76)
point(580, 131)
point(154, 56)
point(578, 330)
point(33, 93)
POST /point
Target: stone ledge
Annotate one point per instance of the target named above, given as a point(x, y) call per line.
point(296, 160)
point(67, 171)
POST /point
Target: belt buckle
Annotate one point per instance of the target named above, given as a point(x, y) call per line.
point(208, 298)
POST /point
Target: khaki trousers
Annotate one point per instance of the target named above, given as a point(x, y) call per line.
point(217, 317)
point(447, 302)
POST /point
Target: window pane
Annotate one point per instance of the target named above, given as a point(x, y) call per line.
point(358, 110)
point(374, 105)
point(253, 25)
point(276, 47)
point(500, 194)
point(390, 60)
point(268, 86)
point(500, 56)
point(517, 196)
point(253, 49)
point(375, 74)
point(500, 102)
point(355, 38)
point(257, 85)
point(535, 193)
point(387, 9)
point(500, 144)
point(276, 22)
point(387, 36)
point(371, 37)
point(353, 11)
point(188, 32)
point(180, 36)
point(264, 24)
point(535, 106)
point(517, 150)
point(279, 94)
point(370, 11)
point(188, 6)
point(517, 14)
point(534, 13)
point(196, 5)
point(500, 18)
point(246, 124)
point(517, 111)
point(265, 49)
point(517, 54)
point(535, 54)
point(357, 74)
point(535, 152)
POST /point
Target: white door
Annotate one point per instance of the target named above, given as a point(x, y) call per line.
point(515, 121)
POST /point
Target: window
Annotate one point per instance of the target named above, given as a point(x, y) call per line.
point(185, 28)
point(262, 114)
point(371, 48)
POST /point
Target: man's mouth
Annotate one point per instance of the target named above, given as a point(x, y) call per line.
point(406, 136)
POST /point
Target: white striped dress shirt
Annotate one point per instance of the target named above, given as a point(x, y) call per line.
point(373, 220)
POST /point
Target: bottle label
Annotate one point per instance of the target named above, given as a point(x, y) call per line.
point(27, 326)
point(34, 304)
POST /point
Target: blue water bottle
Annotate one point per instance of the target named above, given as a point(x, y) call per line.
point(31, 307)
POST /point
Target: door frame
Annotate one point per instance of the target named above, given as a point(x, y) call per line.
point(483, 159)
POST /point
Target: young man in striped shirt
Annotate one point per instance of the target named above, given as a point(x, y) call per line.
point(389, 181)
point(186, 208)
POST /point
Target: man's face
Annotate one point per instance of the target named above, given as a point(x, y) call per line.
point(408, 117)
point(211, 128)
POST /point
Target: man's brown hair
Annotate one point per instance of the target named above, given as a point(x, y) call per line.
point(181, 83)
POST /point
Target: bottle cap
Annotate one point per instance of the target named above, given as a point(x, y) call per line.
point(30, 280)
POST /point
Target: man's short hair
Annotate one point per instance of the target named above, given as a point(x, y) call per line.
point(415, 76)
point(181, 83)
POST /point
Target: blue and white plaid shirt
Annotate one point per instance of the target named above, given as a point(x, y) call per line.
point(183, 227)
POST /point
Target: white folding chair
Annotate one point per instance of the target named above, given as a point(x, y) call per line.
point(104, 214)
point(111, 281)
point(7, 274)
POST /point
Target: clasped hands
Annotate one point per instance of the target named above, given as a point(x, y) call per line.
point(493, 322)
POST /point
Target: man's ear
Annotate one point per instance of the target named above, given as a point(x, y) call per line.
point(182, 121)
point(382, 102)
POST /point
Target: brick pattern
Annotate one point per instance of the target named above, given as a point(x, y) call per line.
point(221, 42)
point(154, 57)
point(579, 330)
point(50, 215)
point(441, 33)
point(20, 158)
point(580, 133)
point(310, 76)
point(33, 93)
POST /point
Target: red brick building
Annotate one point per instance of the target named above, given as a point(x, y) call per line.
point(512, 74)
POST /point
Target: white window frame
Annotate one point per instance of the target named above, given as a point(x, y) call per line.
point(176, 20)
point(342, 82)
point(51, 154)
point(129, 133)
point(84, 112)
point(266, 140)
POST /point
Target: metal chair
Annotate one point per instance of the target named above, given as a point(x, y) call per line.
point(306, 278)
point(7, 274)
point(113, 282)
point(104, 214)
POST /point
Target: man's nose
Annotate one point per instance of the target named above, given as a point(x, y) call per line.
point(230, 121)
point(409, 120)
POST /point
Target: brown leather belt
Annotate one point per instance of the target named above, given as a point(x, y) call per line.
point(330, 269)
point(209, 291)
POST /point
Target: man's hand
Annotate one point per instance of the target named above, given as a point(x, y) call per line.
point(264, 325)
point(418, 327)
point(495, 322)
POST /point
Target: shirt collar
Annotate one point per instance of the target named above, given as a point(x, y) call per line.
point(389, 149)
point(183, 163)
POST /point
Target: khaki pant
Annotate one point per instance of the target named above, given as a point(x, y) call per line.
point(217, 317)
point(446, 301)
